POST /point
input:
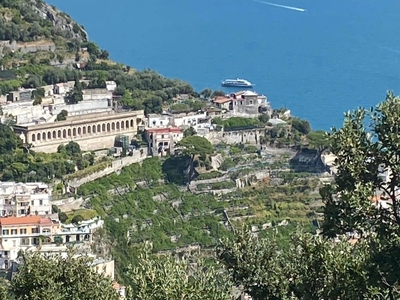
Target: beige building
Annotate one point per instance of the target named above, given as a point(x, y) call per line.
point(91, 131)
point(21, 233)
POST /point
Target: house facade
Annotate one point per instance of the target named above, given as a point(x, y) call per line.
point(20, 233)
point(189, 119)
point(161, 141)
point(24, 199)
point(244, 104)
point(159, 121)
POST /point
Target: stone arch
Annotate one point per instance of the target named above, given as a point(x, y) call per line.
point(122, 124)
point(44, 136)
point(127, 124)
point(94, 128)
point(38, 136)
point(54, 134)
point(103, 127)
point(69, 132)
point(59, 134)
point(131, 122)
point(108, 127)
point(98, 128)
point(117, 124)
point(33, 138)
point(74, 131)
point(79, 131)
point(84, 130)
point(49, 135)
point(64, 134)
point(89, 129)
point(113, 126)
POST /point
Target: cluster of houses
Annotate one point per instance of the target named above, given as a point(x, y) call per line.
point(28, 224)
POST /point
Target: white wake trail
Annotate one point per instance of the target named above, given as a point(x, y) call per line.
point(282, 6)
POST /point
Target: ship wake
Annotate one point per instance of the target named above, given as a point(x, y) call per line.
point(282, 6)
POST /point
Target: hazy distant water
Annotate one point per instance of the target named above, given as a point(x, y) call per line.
point(337, 55)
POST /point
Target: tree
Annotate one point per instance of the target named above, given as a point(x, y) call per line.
point(153, 105)
point(76, 95)
point(264, 118)
point(368, 164)
point(195, 145)
point(206, 93)
point(70, 278)
point(104, 54)
point(9, 141)
point(62, 116)
point(189, 132)
point(217, 94)
point(76, 219)
point(318, 140)
point(63, 217)
point(166, 278)
point(302, 126)
point(73, 149)
point(311, 268)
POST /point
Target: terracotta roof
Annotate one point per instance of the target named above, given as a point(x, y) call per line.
point(164, 130)
point(23, 220)
point(222, 99)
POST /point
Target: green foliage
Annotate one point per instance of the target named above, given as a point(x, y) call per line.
point(195, 145)
point(76, 95)
point(312, 267)
point(70, 278)
point(302, 126)
point(9, 142)
point(76, 219)
point(189, 132)
point(209, 175)
point(227, 164)
point(62, 216)
point(238, 122)
point(62, 116)
point(318, 140)
point(165, 278)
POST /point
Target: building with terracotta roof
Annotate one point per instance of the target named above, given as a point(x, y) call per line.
point(161, 141)
point(20, 233)
point(24, 199)
point(244, 104)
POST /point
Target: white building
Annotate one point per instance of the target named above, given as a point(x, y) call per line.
point(159, 121)
point(111, 85)
point(23, 199)
point(83, 107)
point(27, 233)
point(189, 119)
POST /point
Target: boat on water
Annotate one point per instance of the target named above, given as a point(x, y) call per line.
point(238, 82)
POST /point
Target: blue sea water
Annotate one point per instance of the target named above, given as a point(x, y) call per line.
point(333, 57)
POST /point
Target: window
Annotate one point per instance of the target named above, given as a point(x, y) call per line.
point(162, 136)
point(40, 202)
point(14, 231)
point(32, 202)
point(6, 232)
point(14, 243)
point(35, 230)
point(251, 101)
point(22, 231)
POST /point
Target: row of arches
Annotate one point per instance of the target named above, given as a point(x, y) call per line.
point(85, 130)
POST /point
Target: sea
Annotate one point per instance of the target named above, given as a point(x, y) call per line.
point(318, 58)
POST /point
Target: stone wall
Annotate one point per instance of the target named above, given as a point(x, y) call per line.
point(248, 136)
point(117, 164)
